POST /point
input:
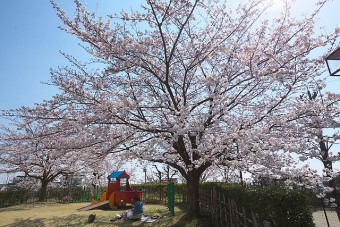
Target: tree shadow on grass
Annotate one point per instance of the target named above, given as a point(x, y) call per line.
point(74, 220)
point(13, 209)
point(21, 222)
point(103, 219)
point(70, 220)
point(201, 221)
point(81, 220)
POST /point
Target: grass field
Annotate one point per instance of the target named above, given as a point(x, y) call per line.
point(56, 214)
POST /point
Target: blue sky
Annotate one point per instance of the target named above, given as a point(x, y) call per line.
point(30, 42)
point(29, 46)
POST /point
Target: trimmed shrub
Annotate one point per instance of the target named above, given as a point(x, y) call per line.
point(14, 196)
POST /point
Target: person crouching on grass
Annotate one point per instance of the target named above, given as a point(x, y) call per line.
point(136, 213)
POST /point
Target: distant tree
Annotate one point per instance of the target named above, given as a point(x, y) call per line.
point(170, 173)
point(34, 149)
point(161, 173)
point(225, 174)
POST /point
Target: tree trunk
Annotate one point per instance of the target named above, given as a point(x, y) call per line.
point(329, 165)
point(43, 191)
point(336, 195)
point(193, 178)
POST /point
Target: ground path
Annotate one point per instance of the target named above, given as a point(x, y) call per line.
point(320, 220)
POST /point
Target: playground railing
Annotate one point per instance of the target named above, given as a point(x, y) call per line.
point(157, 193)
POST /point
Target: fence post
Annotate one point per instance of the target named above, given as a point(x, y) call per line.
point(254, 219)
point(225, 210)
point(236, 214)
point(244, 214)
point(220, 208)
point(213, 199)
point(230, 212)
point(212, 205)
point(266, 224)
point(204, 200)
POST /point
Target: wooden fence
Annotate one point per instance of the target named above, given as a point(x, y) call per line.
point(225, 212)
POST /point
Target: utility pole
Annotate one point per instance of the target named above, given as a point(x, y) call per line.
point(144, 170)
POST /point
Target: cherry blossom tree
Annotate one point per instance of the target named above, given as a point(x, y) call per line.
point(328, 158)
point(34, 149)
point(193, 84)
point(323, 139)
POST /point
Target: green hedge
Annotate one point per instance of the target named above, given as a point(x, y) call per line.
point(73, 194)
point(14, 196)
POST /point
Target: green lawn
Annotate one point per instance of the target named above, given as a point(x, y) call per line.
point(56, 214)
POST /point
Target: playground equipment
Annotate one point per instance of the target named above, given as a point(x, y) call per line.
point(115, 192)
point(118, 192)
point(171, 198)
